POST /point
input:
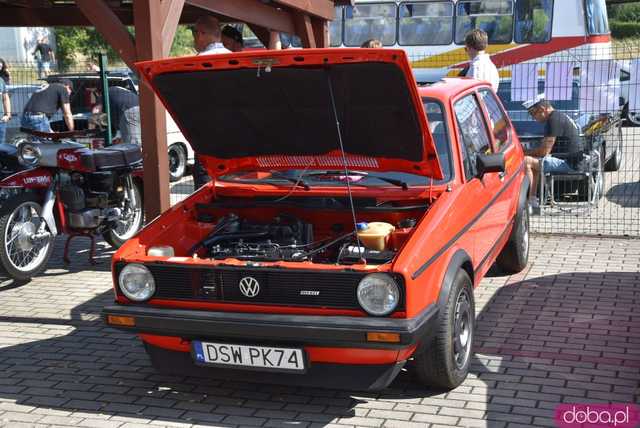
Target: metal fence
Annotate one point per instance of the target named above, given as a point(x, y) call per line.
point(597, 87)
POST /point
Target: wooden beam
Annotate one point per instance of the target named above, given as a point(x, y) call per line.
point(110, 27)
point(51, 17)
point(171, 10)
point(274, 38)
point(321, 32)
point(304, 29)
point(149, 45)
point(324, 9)
point(249, 11)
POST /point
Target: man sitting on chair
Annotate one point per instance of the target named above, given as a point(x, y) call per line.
point(558, 127)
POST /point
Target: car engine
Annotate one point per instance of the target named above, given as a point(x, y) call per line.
point(284, 238)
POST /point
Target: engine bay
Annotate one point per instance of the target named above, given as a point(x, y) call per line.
point(290, 235)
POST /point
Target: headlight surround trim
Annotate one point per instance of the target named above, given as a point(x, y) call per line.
point(136, 282)
point(374, 286)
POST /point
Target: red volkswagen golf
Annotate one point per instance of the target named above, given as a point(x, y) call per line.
point(350, 217)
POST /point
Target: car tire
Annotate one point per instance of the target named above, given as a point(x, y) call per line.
point(515, 255)
point(445, 362)
point(177, 162)
point(615, 161)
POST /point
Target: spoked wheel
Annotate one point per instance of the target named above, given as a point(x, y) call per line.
point(177, 162)
point(26, 246)
point(130, 222)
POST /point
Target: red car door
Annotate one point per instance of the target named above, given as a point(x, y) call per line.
point(481, 192)
point(502, 133)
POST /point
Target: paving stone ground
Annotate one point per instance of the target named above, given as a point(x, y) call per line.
point(566, 330)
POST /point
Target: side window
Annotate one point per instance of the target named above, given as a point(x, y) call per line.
point(533, 21)
point(495, 17)
point(426, 23)
point(472, 133)
point(335, 29)
point(499, 123)
point(370, 21)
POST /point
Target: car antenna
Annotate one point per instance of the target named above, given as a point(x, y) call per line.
point(344, 162)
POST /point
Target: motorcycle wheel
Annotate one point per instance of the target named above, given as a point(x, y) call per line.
point(21, 258)
point(128, 228)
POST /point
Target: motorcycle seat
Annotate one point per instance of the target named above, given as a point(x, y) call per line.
point(115, 157)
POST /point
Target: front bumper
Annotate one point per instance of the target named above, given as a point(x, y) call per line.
point(330, 331)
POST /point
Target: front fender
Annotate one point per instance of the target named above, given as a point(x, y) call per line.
point(37, 178)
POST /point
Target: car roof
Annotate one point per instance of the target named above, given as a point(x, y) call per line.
point(447, 88)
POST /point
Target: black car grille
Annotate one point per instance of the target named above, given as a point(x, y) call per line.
point(322, 289)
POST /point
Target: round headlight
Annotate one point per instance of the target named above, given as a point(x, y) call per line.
point(136, 282)
point(378, 294)
point(29, 155)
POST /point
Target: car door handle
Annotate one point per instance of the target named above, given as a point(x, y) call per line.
point(502, 175)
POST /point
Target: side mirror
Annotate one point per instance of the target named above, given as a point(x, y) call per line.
point(490, 163)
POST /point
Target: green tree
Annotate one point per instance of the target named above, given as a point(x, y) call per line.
point(77, 43)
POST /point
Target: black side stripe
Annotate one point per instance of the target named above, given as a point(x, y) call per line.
point(468, 226)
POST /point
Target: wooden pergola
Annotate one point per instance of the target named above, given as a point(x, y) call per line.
point(155, 23)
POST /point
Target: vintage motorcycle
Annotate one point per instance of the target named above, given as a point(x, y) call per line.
point(51, 185)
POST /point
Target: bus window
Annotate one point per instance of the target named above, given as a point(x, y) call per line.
point(533, 21)
point(426, 23)
point(495, 17)
point(596, 17)
point(370, 21)
point(335, 29)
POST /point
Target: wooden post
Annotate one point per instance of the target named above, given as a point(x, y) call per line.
point(150, 45)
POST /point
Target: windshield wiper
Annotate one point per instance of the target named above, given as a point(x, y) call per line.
point(389, 180)
point(296, 181)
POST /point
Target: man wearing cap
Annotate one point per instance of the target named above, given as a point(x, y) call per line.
point(232, 39)
point(44, 103)
point(558, 128)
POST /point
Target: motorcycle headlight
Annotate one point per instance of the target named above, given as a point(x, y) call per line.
point(29, 155)
point(378, 294)
point(136, 282)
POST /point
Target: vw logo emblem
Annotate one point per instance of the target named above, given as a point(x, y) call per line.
point(249, 286)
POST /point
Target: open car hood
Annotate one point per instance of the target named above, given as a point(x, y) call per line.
point(263, 110)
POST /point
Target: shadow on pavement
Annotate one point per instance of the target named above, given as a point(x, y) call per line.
point(531, 337)
point(626, 195)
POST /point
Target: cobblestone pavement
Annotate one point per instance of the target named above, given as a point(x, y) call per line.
point(566, 330)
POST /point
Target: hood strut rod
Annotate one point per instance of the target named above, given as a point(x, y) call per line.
point(344, 161)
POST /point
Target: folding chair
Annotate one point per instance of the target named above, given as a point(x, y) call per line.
point(583, 186)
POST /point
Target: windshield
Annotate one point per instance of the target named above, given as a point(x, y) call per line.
point(495, 17)
point(370, 21)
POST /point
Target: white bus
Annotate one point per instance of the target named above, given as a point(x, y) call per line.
point(432, 31)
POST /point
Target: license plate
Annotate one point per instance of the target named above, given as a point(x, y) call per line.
point(248, 356)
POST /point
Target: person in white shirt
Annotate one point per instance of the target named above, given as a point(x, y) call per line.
point(207, 40)
point(207, 36)
point(481, 67)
